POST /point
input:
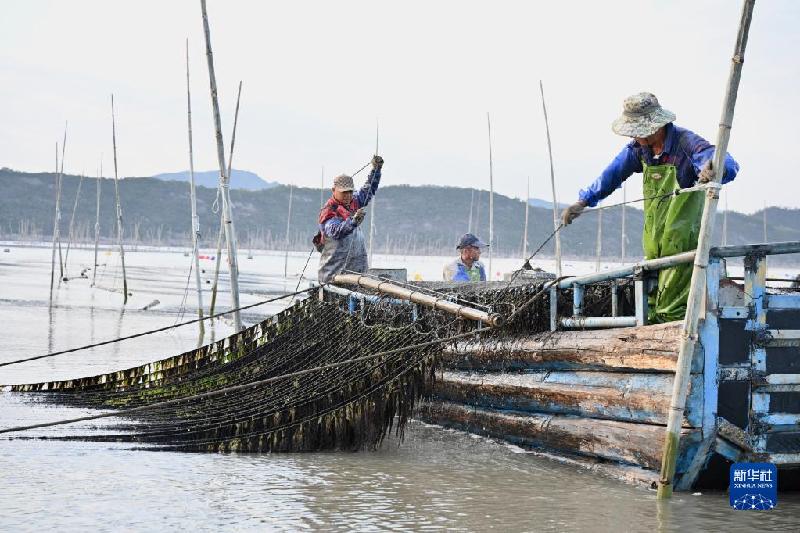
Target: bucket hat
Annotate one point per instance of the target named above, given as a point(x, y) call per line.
point(642, 116)
point(343, 182)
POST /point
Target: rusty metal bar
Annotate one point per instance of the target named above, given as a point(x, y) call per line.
point(385, 287)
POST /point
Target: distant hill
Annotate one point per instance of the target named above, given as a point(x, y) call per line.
point(240, 179)
point(409, 220)
point(545, 204)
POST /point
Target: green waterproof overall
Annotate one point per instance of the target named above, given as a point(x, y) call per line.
point(671, 226)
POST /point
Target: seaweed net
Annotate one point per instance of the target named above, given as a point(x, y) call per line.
point(332, 373)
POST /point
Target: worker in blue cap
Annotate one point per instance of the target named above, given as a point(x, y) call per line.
point(468, 267)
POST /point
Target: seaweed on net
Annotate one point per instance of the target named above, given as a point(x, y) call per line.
point(324, 377)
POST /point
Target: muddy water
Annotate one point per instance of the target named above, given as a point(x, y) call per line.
point(435, 479)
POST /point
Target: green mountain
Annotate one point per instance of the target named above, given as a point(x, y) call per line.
point(409, 220)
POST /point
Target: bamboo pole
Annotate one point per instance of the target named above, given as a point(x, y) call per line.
point(491, 198)
point(725, 222)
point(599, 247)
point(525, 230)
point(435, 302)
point(322, 188)
point(471, 203)
point(624, 237)
point(118, 205)
point(224, 180)
point(372, 202)
point(57, 218)
point(193, 200)
point(97, 223)
point(218, 257)
point(72, 222)
point(556, 223)
point(286, 241)
point(697, 289)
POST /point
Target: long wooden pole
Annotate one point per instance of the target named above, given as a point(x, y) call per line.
point(193, 200)
point(97, 223)
point(556, 223)
point(689, 335)
point(218, 257)
point(624, 236)
point(372, 202)
point(72, 221)
point(224, 178)
point(435, 302)
point(525, 230)
point(57, 218)
point(471, 204)
point(599, 247)
point(491, 198)
point(286, 240)
point(118, 205)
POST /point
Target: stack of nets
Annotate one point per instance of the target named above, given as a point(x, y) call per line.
point(321, 375)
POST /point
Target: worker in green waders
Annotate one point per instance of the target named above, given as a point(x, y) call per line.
point(669, 157)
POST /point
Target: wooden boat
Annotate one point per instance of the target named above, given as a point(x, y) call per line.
point(601, 396)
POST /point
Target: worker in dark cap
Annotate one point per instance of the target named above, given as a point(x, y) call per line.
point(340, 239)
point(468, 267)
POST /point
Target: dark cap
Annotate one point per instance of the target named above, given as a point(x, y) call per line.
point(468, 239)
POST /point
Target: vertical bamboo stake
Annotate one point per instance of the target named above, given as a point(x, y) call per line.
point(97, 223)
point(491, 199)
point(286, 241)
point(119, 206)
point(193, 199)
point(372, 202)
point(218, 257)
point(471, 203)
point(72, 222)
point(224, 180)
point(57, 217)
point(525, 230)
point(599, 239)
point(624, 236)
point(725, 223)
point(556, 223)
point(689, 335)
point(322, 188)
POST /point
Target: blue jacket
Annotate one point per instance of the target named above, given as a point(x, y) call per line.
point(457, 271)
point(682, 148)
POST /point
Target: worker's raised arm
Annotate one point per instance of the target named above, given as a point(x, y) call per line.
point(701, 152)
point(620, 169)
point(370, 187)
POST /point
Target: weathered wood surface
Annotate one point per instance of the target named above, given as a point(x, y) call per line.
point(643, 348)
point(608, 395)
point(635, 444)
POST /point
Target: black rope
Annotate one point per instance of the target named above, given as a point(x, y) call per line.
point(158, 330)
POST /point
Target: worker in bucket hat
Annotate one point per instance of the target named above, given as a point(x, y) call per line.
point(669, 158)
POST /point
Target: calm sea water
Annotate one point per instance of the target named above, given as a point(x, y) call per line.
point(435, 479)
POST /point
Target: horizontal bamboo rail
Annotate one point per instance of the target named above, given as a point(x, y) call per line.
point(385, 287)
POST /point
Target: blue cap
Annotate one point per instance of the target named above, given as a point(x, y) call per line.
point(468, 239)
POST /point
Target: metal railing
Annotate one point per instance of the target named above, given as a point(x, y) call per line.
point(644, 275)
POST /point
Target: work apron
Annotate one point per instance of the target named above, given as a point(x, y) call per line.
point(348, 253)
point(671, 226)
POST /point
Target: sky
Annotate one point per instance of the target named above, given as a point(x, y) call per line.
point(318, 76)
